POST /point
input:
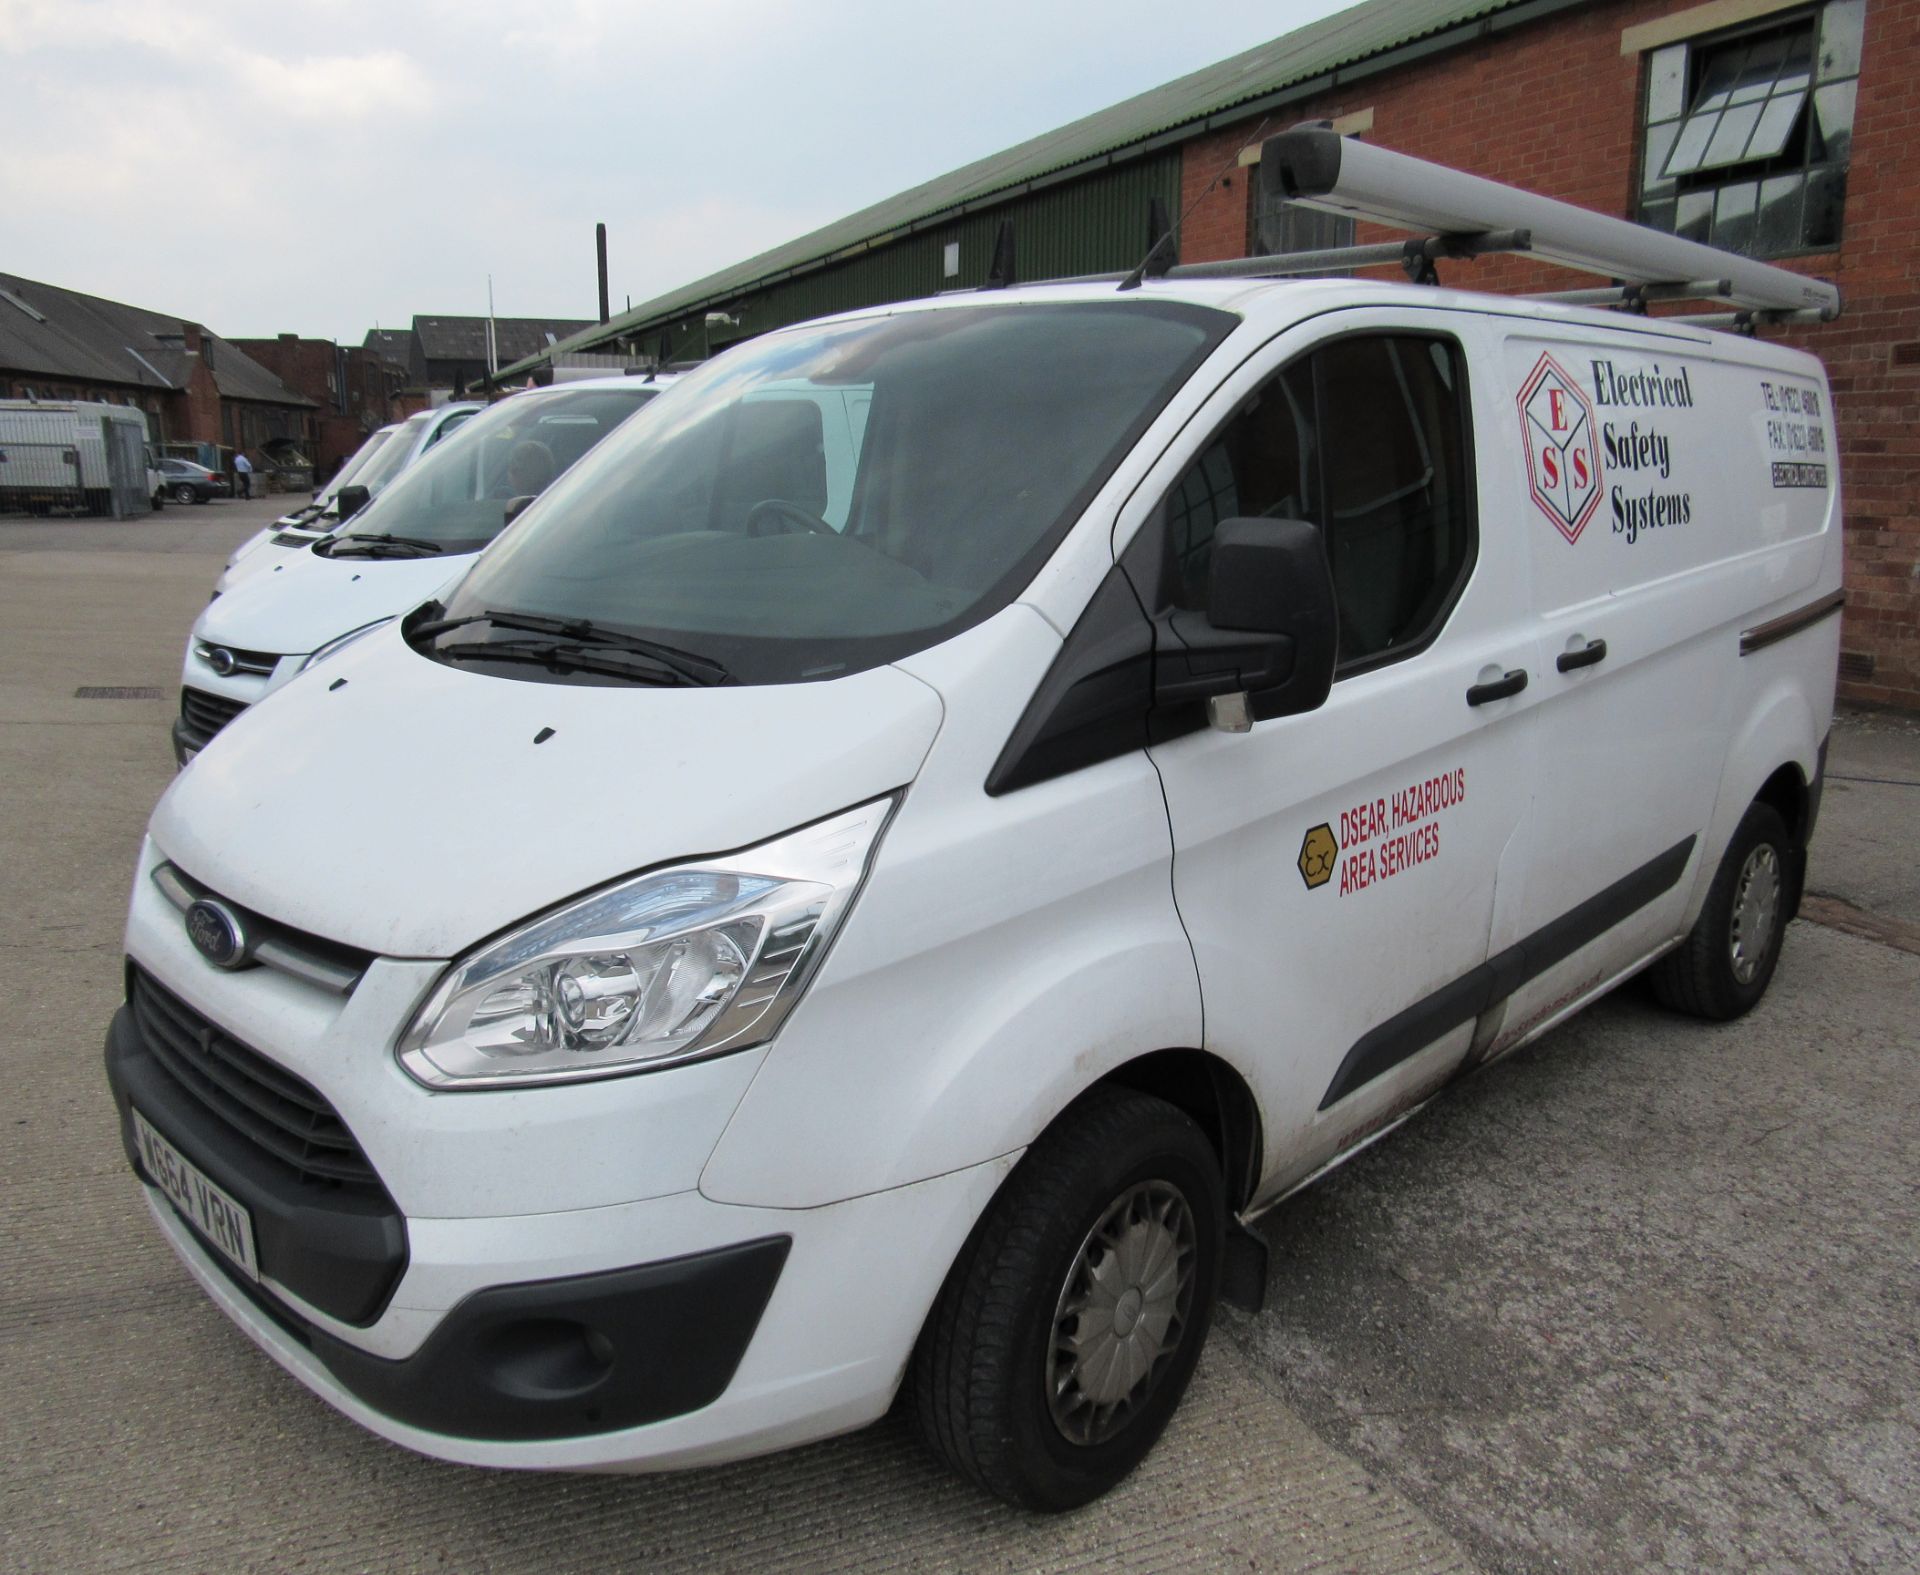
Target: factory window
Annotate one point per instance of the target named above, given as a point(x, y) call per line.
point(1747, 135)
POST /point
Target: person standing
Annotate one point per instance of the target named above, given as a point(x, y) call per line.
point(243, 473)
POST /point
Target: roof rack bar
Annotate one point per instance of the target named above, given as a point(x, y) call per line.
point(1627, 294)
point(1747, 321)
point(1312, 166)
point(1336, 259)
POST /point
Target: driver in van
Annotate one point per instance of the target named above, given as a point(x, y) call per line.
point(530, 469)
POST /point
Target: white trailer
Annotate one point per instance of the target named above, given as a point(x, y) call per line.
point(73, 456)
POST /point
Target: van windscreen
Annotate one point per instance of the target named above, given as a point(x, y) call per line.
point(826, 499)
point(457, 495)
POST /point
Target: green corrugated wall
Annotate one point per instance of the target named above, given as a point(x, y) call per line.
point(1092, 225)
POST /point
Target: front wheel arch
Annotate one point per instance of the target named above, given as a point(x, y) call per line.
point(1218, 1099)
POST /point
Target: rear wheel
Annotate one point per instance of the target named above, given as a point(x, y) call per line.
point(183, 493)
point(1070, 1325)
point(1727, 960)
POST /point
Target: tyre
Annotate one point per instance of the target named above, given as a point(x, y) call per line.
point(183, 493)
point(1726, 962)
point(1071, 1322)
point(158, 500)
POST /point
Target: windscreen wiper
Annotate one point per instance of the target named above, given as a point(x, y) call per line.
point(559, 658)
point(690, 665)
point(410, 545)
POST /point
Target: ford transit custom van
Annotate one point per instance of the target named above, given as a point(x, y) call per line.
point(788, 933)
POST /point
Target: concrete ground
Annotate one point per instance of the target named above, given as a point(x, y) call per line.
point(1642, 1296)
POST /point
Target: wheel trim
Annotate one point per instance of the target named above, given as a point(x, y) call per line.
point(1123, 1312)
point(1756, 912)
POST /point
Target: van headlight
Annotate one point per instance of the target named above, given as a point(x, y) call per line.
point(669, 967)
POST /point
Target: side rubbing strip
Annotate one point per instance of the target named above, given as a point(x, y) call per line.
point(1382, 1049)
point(1775, 630)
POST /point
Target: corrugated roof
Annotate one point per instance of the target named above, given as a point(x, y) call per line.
point(1346, 38)
point(62, 333)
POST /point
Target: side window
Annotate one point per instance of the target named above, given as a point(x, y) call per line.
point(451, 423)
point(1366, 438)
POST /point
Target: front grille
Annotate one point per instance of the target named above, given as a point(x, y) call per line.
point(276, 1113)
point(260, 663)
point(325, 963)
point(205, 714)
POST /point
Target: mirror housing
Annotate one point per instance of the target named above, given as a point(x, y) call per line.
point(352, 500)
point(516, 507)
point(1272, 577)
point(1270, 631)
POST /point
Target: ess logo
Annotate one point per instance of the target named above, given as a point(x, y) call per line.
point(1563, 469)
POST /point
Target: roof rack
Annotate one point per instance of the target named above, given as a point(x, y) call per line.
point(1471, 216)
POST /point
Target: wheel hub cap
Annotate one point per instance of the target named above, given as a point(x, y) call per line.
point(1756, 910)
point(1123, 1311)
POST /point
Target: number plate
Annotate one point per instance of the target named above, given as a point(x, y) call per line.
point(210, 1211)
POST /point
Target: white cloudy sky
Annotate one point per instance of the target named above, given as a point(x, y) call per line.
point(317, 166)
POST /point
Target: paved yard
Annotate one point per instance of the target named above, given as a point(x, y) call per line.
point(1641, 1296)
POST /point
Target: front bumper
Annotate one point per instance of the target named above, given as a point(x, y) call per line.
point(549, 1234)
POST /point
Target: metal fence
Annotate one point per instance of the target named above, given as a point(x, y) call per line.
point(40, 478)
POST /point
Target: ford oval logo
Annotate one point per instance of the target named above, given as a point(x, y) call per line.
point(220, 659)
point(216, 933)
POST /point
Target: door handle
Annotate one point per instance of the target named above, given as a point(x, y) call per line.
point(1514, 681)
point(1570, 661)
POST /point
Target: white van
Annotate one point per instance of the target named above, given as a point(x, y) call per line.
point(748, 952)
point(376, 462)
point(417, 536)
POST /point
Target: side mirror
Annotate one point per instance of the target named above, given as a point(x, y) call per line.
point(1271, 577)
point(1265, 645)
point(352, 500)
point(516, 507)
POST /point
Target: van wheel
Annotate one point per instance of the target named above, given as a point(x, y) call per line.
point(1071, 1322)
point(1726, 962)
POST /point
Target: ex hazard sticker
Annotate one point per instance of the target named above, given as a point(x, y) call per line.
point(1563, 465)
point(1318, 850)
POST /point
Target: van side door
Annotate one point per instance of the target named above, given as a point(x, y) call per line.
point(1336, 870)
point(1642, 539)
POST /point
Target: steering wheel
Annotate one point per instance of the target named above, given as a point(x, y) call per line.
point(780, 517)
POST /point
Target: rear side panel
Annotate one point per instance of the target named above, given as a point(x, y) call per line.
point(1674, 490)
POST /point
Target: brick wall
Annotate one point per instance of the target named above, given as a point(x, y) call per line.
point(1555, 107)
point(194, 411)
point(313, 367)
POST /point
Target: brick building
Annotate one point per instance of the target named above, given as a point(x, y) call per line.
point(353, 390)
point(195, 388)
point(1775, 128)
